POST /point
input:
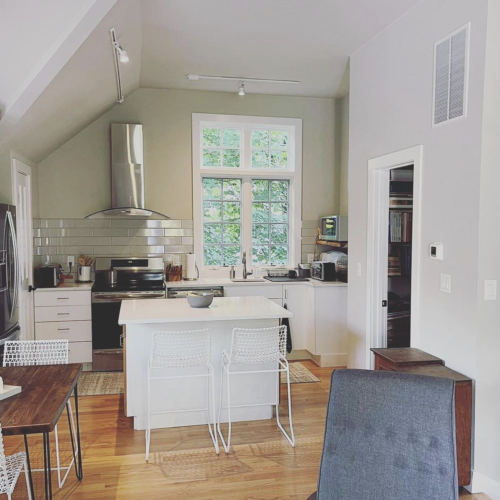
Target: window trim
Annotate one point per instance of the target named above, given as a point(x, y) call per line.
point(294, 176)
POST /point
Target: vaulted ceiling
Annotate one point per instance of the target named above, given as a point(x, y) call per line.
point(60, 76)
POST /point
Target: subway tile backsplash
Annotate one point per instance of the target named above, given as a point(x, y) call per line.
point(56, 239)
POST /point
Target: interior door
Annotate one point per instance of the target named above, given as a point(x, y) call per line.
point(22, 201)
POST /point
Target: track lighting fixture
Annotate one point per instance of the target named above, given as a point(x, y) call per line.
point(121, 56)
point(241, 90)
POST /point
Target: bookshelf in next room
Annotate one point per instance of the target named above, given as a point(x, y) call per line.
point(399, 257)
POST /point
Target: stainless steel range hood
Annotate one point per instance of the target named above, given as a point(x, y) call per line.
point(127, 175)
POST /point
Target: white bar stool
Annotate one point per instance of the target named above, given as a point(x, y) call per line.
point(43, 352)
point(182, 350)
point(255, 346)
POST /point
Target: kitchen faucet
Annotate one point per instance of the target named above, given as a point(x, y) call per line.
point(244, 262)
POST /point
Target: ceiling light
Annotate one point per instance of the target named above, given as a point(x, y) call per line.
point(120, 56)
point(240, 79)
point(241, 92)
point(118, 48)
point(123, 56)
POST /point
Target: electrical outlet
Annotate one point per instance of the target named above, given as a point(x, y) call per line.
point(310, 258)
point(490, 289)
point(71, 261)
point(446, 283)
point(359, 268)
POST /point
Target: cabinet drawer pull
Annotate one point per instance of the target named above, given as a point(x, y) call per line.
point(62, 329)
point(62, 298)
point(63, 314)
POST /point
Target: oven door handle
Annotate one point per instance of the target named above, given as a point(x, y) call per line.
point(119, 298)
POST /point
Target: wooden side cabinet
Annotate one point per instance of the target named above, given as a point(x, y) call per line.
point(414, 361)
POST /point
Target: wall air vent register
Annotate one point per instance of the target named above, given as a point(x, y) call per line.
point(451, 66)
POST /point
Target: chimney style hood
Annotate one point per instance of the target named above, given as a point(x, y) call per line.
point(127, 175)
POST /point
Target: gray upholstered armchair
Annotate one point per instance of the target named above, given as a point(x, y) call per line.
point(389, 436)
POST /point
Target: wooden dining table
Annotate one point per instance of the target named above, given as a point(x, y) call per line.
point(46, 390)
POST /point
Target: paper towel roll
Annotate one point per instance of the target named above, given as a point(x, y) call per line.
point(191, 269)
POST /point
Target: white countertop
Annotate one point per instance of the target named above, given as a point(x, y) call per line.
point(67, 287)
point(178, 310)
point(250, 282)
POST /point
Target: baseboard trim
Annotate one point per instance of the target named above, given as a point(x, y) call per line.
point(299, 355)
point(322, 360)
point(330, 360)
point(484, 484)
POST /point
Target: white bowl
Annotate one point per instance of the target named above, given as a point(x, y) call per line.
point(200, 299)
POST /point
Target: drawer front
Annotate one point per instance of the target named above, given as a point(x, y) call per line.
point(80, 352)
point(269, 291)
point(74, 331)
point(62, 298)
point(67, 313)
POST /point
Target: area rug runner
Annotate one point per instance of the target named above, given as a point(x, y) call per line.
point(299, 374)
point(102, 383)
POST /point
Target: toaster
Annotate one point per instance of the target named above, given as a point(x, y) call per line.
point(48, 276)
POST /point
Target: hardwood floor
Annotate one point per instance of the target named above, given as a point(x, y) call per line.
point(183, 465)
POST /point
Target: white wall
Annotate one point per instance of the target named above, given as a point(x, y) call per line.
point(487, 416)
point(391, 109)
point(344, 155)
point(80, 170)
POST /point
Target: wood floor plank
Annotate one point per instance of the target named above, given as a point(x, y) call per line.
point(183, 464)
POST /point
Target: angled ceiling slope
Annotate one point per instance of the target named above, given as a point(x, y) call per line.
point(167, 39)
point(277, 39)
point(85, 88)
point(41, 37)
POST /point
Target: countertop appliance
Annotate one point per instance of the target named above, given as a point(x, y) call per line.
point(181, 292)
point(136, 279)
point(48, 276)
point(340, 260)
point(323, 271)
point(9, 275)
point(127, 175)
point(333, 228)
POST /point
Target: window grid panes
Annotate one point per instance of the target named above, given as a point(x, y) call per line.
point(221, 147)
point(270, 149)
point(270, 221)
point(221, 221)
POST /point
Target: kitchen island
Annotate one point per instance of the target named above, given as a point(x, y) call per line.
point(140, 318)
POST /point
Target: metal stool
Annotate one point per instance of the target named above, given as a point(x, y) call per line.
point(182, 350)
point(255, 347)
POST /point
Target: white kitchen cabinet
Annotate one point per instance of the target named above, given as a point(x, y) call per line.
point(319, 323)
point(66, 314)
point(296, 298)
point(62, 298)
point(328, 337)
point(246, 290)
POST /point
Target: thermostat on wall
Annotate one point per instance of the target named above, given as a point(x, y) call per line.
point(436, 251)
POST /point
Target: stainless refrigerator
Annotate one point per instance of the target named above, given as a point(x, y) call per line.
point(9, 275)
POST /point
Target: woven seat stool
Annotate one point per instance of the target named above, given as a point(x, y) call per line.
point(255, 347)
point(187, 349)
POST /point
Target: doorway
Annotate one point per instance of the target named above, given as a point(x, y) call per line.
point(385, 295)
point(400, 250)
point(21, 197)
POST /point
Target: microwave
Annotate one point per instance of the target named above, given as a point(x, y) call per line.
point(333, 228)
point(323, 271)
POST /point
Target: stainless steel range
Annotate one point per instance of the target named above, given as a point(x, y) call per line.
point(135, 278)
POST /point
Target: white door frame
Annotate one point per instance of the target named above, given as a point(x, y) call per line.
point(376, 265)
point(23, 168)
